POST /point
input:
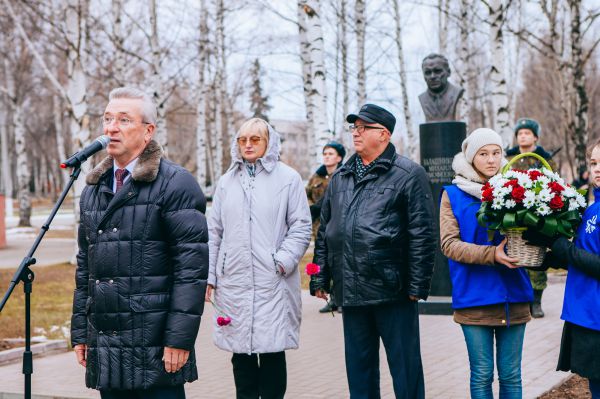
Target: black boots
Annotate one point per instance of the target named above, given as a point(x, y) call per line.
point(329, 307)
point(536, 305)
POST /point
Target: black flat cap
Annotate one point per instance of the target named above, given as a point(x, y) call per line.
point(372, 113)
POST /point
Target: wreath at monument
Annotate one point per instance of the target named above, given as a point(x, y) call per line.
point(515, 200)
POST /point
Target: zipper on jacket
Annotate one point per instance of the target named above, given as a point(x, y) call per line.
point(223, 264)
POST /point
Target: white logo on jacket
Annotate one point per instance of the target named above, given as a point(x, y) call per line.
point(590, 226)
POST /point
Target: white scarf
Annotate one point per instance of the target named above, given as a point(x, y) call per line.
point(467, 178)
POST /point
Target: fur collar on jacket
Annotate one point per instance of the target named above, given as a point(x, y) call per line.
point(146, 168)
point(467, 178)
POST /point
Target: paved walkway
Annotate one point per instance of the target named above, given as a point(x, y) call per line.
point(316, 370)
point(51, 250)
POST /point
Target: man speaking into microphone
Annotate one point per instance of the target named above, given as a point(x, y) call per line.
point(142, 262)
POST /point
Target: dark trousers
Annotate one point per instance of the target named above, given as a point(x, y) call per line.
point(397, 325)
point(595, 389)
point(259, 375)
point(175, 392)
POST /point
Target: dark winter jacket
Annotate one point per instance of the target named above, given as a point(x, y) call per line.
point(376, 239)
point(141, 273)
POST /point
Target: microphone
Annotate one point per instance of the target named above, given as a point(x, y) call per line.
point(80, 157)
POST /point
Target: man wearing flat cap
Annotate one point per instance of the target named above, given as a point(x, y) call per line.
point(376, 243)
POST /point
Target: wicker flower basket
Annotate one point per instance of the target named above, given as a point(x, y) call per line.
point(516, 247)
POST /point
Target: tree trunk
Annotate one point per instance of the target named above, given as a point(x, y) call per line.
point(502, 123)
point(344, 53)
point(60, 134)
point(467, 76)
point(158, 89)
point(361, 76)
point(443, 11)
point(318, 93)
point(201, 131)
point(7, 181)
point(412, 141)
point(119, 63)
point(305, 60)
point(23, 171)
point(579, 123)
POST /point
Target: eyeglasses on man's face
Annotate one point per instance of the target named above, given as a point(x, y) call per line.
point(254, 140)
point(360, 129)
point(123, 121)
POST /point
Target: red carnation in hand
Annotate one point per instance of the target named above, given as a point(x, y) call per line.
point(518, 194)
point(555, 187)
point(223, 321)
point(487, 195)
point(556, 203)
point(534, 174)
point(312, 268)
point(513, 183)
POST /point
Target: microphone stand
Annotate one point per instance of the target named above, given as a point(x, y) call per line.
point(25, 275)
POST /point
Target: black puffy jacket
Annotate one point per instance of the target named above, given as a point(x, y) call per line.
point(376, 240)
point(141, 273)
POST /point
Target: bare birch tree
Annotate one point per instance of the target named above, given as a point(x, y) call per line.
point(502, 123)
point(412, 141)
point(201, 132)
point(317, 95)
point(15, 100)
point(360, 16)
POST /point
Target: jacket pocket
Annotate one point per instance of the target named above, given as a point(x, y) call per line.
point(141, 303)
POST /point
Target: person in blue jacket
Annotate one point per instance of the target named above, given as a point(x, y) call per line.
point(490, 294)
point(580, 344)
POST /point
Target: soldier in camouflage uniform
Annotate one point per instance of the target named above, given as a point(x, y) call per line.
point(527, 133)
point(333, 155)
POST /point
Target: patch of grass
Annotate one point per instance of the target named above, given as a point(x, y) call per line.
point(51, 301)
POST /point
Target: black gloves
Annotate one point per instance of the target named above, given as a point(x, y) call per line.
point(534, 237)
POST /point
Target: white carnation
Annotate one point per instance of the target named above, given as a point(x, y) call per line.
point(545, 195)
point(573, 205)
point(569, 192)
point(498, 203)
point(543, 180)
point(529, 199)
point(543, 210)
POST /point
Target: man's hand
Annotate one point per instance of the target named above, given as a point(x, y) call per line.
point(321, 294)
point(502, 258)
point(413, 298)
point(209, 290)
point(174, 359)
point(81, 353)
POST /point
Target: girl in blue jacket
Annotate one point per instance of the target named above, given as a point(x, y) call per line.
point(580, 345)
point(490, 294)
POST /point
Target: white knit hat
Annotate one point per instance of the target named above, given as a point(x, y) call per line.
point(477, 139)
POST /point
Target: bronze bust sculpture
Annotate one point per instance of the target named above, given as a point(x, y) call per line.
point(439, 101)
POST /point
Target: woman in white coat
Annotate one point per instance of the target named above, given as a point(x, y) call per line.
point(259, 227)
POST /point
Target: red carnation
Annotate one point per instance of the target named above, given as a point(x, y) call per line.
point(555, 187)
point(487, 195)
point(556, 203)
point(312, 268)
point(513, 183)
point(223, 321)
point(534, 174)
point(518, 194)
